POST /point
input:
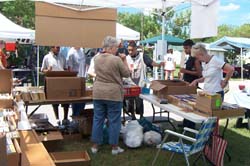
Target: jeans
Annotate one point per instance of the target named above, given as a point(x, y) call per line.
point(77, 108)
point(111, 110)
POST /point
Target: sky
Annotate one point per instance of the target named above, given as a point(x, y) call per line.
point(231, 12)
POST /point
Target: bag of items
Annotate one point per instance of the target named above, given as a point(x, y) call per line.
point(133, 134)
point(152, 138)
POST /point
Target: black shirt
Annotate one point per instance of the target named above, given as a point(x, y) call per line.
point(190, 65)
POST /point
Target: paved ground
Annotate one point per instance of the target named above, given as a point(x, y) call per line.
point(233, 86)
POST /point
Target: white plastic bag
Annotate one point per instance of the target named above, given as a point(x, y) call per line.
point(133, 134)
point(152, 138)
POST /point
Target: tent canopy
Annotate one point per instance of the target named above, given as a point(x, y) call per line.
point(126, 33)
point(238, 42)
point(121, 3)
point(11, 31)
point(170, 40)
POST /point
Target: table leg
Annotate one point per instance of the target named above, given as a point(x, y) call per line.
point(168, 119)
point(32, 111)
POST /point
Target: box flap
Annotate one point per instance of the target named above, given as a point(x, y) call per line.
point(157, 86)
point(6, 81)
point(61, 74)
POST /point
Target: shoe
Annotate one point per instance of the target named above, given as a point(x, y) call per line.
point(65, 122)
point(94, 150)
point(117, 151)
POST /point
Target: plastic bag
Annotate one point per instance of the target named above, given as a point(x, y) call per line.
point(152, 138)
point(133, 134)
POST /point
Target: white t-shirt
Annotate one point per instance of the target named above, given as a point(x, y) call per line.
point(57, 62)
point(91, 69)
point(169, 60)
point(212, 72)
point(76, 60)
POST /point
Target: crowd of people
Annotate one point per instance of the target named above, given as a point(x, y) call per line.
point(115, 62)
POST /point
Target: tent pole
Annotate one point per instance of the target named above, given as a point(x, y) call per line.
point(241, 63)
point(37, 69)
point(163, 34)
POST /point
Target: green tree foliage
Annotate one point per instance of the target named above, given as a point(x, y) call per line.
point(151, 25)
point(146, 24)
point(232, 31)
point(22, 12)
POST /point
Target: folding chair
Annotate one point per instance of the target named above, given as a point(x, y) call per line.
point(197, 144)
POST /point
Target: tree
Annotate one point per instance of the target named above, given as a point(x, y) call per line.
point(22, 12)
point(149, 24)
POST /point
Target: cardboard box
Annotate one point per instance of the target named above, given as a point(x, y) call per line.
point(36, 155)
point(186, 102)
point(85, 122)
point(14, 159)
point(86, 23)
point(6, 103)
point(50, 136)
point(61, 74)
point(207, 103)
point(6, 81)
point(163, 88)
point(26, 96)
point(64, 87)
point(227, 111)
point(71, 158)
point(51, 140)
point(28, 137)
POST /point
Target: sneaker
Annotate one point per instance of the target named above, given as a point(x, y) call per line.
point(117, 151)
point(65, 122)
point(94, 150)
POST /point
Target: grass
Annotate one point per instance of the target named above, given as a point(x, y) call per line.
point(238, 147)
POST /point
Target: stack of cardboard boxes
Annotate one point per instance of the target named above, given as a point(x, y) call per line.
point(9, 140)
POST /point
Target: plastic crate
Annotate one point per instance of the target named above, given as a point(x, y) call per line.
point(131, 91)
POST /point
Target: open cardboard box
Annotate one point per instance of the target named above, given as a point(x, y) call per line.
point(80, 158)
point(163, 88)
point(64, 87)
point(208, 103)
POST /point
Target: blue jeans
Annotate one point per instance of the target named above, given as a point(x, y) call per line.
point(111, 110)
point(77, 108)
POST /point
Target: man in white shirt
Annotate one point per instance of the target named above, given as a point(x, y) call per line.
point(53, 61)
point(76, 61)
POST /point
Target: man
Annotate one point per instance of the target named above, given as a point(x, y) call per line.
point(192, 67)
point(76, 61)
point(191, 71)
point(53, 61)
point(137, 64)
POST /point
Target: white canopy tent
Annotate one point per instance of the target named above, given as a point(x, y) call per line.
point(11, 31)
point(125, 33)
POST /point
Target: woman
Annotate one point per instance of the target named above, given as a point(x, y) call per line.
point(108, 94)
point(212, 71)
